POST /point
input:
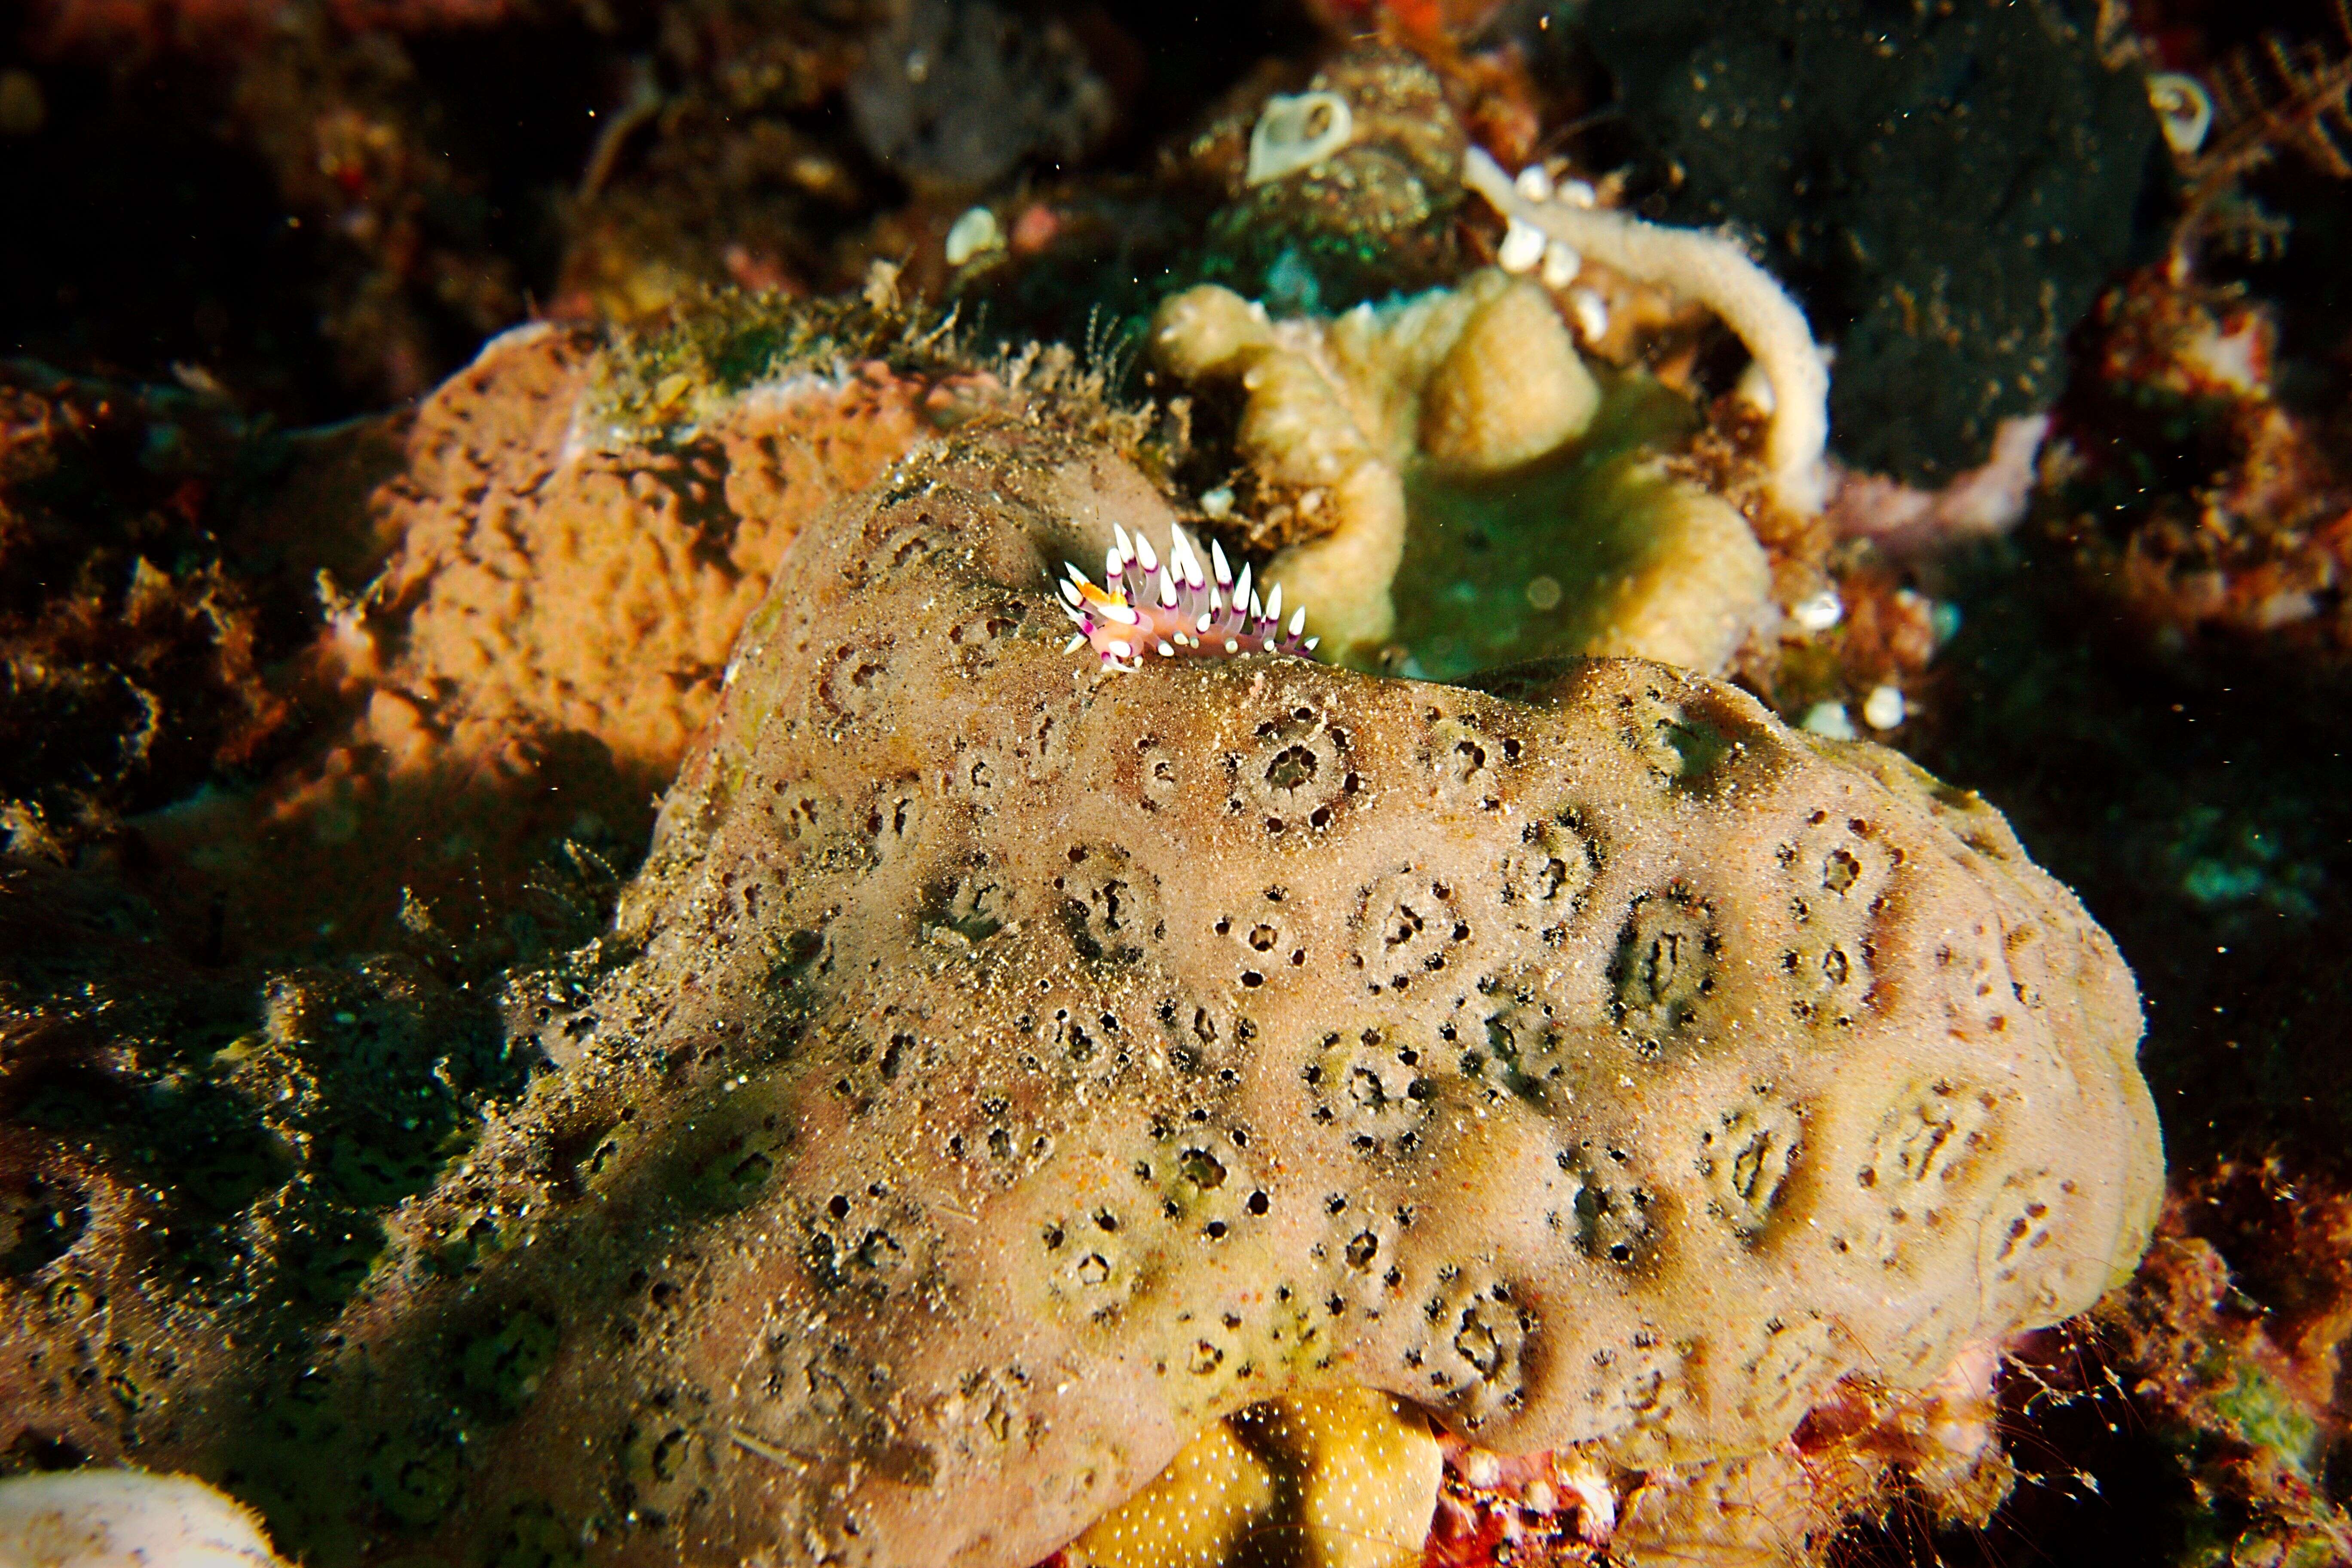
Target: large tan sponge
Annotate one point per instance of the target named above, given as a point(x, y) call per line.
point(1041, 1067)
point(1008, 1073)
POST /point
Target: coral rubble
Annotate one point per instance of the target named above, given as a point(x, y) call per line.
point(2247, 545)
point(136, 638)
point(2241, 1366)
point(1314, 221)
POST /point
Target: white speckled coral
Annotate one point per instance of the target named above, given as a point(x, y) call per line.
point(126, 1518)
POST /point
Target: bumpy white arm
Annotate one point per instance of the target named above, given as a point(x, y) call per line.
point(1715, 272)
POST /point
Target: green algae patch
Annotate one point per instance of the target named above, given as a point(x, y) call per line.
point(667, 382)
point(1528, 565)
point(2264, 1414)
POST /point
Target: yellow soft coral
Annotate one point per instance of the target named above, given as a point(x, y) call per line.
point(1463, 384)
point(1480, 378)
point(1342, 1477)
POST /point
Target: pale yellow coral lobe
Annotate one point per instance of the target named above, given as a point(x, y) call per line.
point(1478, 379)
point(1511, 389)
point(1342, 1477)
point(1696, 592)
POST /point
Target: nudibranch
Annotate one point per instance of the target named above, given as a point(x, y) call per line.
point(1147, 607)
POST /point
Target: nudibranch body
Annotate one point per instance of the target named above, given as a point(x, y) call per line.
point(1173, 608)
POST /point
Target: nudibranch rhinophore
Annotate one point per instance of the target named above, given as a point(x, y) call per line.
point(1147, 607)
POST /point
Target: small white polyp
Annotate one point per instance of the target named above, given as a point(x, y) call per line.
point(1297, 132)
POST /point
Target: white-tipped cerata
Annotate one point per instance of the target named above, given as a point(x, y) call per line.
point(1166, 603)
point(1181, 557)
